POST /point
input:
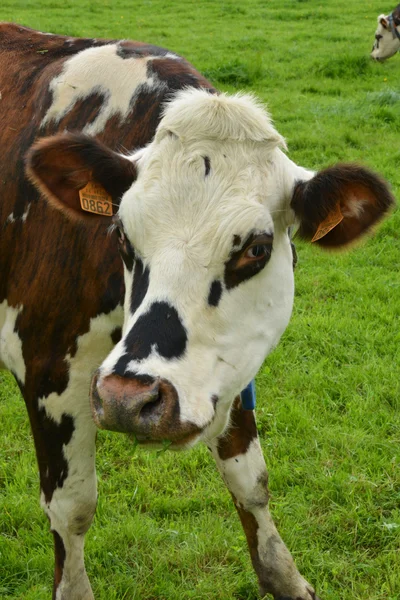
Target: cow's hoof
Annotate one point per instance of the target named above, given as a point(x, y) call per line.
point(313, 596)
point(310, 596)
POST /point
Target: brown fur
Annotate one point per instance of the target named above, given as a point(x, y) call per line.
point(242, 432)
point(362, 196)
point(62, 273)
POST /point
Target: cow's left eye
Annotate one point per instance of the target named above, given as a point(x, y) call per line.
point(257, 252)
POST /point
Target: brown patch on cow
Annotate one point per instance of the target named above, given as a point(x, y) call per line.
point(68, 283)
point(250, 528)
point(59, 273)
point(60, 554)
point(141, 123)
point(82, 114)
point(54, 437)
point(242, 432)
point(362, 197)
point(178, 74)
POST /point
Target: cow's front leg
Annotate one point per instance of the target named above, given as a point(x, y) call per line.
point(65, 447)
point(241, 463)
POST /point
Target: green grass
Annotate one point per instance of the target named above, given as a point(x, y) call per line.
point(328, 397)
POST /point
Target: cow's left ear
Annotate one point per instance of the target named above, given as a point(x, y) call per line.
point(339, 204)
point(79, 175)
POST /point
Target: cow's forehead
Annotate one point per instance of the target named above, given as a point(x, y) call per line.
point(200, 194)
point(206, 175)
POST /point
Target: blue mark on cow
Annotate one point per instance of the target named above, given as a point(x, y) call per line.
point(248, 396)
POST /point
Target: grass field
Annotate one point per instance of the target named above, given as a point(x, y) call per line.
point(328, 397)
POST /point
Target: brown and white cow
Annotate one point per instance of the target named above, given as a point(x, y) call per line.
point(387, 35)
point(202, 197)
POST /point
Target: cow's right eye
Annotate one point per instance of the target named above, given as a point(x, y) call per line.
point(124, 246)
point(120, 234)
point(258, 252)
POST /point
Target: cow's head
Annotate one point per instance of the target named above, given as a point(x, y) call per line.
point(387, 35)
point(202, 229)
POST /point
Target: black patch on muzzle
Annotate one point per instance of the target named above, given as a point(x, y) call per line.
point(160, 328)
point(121, 365)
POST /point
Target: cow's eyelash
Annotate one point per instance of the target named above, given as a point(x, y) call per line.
point(115, 224)
point(117, 227)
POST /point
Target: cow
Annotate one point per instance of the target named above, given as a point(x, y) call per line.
point(146, 269)
point(387, 35)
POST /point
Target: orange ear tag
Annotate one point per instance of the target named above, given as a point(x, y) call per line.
point(95, 199)
point(333, 219)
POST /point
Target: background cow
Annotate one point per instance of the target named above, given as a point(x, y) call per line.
point(387, 35)
point(200, 219)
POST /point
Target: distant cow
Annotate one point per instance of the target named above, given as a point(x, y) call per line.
point(387, 35)
point(131, 154)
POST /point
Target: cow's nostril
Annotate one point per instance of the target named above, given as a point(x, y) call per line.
point(152, 409)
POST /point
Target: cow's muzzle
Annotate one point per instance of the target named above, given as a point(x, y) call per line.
point(143, 406)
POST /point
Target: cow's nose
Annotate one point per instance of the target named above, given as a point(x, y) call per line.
point(125, 404)
point(145, 406)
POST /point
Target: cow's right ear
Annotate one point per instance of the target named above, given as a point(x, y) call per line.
point(79, 175)
point(382, 20)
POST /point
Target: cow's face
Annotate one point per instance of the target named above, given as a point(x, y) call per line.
point(387, 43)
point(208, 268)
point(208, 273)
point(202, 232)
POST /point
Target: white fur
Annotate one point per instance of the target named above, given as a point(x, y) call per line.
point(12, 219)
point(92, 348)
point(242, 474)
point(99, 70)
point(182, 224)
point(11, 356)
point(388, 45)
point(72, 506)
point(276, 558)
point(245, 476)
point(196, 114)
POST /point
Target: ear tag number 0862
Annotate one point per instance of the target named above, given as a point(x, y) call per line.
point(94, 199)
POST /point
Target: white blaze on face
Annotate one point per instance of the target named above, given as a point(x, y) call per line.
point(99, 71)
point(386, 44)
point(212, 177)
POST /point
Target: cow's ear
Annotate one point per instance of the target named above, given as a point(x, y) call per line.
point(79, 175)
point(383, 22)
point(339, 204)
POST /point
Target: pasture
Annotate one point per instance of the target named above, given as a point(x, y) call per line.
point(329, 395)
